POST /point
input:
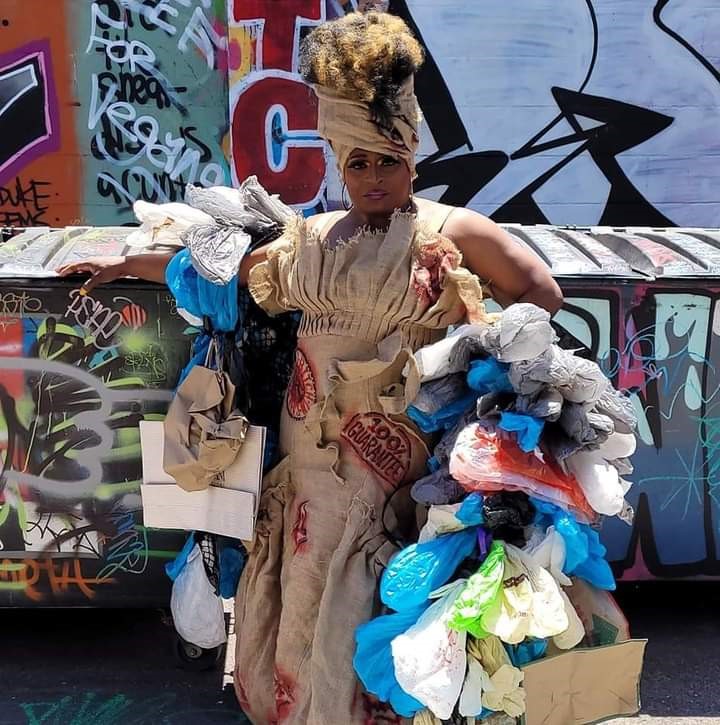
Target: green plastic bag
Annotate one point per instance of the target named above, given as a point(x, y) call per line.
point(480, 592)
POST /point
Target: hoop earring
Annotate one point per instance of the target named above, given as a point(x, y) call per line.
point(347, 204)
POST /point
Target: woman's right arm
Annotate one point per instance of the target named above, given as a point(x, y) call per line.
point(150, 267)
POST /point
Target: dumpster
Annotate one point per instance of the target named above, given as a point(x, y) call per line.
point(78, 373)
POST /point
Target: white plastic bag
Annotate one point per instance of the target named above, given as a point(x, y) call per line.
point(430, 658)
point(196, 610)
point(598, 480)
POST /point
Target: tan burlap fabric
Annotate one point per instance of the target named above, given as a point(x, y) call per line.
point(347, 125)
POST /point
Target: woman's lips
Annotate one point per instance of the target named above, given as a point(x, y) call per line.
point(376, 194)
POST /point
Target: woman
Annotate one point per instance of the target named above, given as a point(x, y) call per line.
point(374, 284)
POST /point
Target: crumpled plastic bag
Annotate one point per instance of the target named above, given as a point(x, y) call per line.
point(526, 428)
point(216, 251)
point(480, 592)
point(547, 405)
point(522, 333)
point(618, 446)
point(526, 651)
point(529, 603)
point(419, 569)
point(488, 376)
point(430, 658)
point(584, 552)
point(197, 298)
point(548, 551)
point(162, 225)
point(470, 704)
point(444, 418)
point(618, 407)
point(441, 520)
point(584, 426)
point(436, 360)
point(486, 460)
point(445, 519)
point(502, 684)
point(575, 632)
point(577, 379)
point(436, 394)
point(197, 611)
point(470, 512)
point(373, 660)
point(506, 514)
point(598, 480)
point(438, 488)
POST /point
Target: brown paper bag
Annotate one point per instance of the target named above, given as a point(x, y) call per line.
point(603, 620)
point(203, 433)
point(584, 686)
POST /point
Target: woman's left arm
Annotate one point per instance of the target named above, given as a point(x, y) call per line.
point(511, 272)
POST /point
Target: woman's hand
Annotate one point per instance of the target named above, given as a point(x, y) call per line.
point(150, 267)
point(101, 269)
point(512, 273)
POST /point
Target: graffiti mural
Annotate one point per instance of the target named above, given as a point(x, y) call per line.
point(77, 374)
point(568, 112)
point(660, 343)
point(572, 112)
point(144, 66)
point(273, 114)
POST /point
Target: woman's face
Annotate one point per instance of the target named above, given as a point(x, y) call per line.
point(378, 184)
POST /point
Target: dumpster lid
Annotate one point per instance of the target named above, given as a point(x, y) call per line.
point(628, 252)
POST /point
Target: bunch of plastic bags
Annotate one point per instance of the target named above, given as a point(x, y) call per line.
point(534, 444)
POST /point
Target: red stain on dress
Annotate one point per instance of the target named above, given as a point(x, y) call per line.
point(432, 262)
point(302, 391)
point(284, 689)
point(299, 530)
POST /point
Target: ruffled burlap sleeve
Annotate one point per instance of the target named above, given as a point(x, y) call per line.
point(269, 281)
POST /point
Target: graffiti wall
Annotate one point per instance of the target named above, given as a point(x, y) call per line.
point(661, 343)
point(77, 374)
point(561, 111)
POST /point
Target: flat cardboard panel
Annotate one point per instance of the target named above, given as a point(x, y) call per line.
point(585, 685)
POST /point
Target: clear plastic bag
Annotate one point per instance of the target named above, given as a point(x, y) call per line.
point(196, 610)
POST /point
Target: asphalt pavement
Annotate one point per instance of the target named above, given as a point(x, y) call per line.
point(118, 667)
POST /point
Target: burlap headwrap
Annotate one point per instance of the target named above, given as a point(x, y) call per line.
point(347, 125)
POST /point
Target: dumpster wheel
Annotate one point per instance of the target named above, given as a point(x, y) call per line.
point(193, 658)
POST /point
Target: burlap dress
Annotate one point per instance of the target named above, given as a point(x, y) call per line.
point(322, 534)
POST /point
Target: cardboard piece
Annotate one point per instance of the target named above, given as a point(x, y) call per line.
point(584, 686)
point(228, 506)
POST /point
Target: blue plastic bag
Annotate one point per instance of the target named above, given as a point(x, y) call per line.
point(584, 552)
point(174, 567)
point(373, 660)
point(445, 418)
point(527, 651)
point(419, 569)
point(200, 297)
point(470, 512)
point(527, 429)
point(489, 376)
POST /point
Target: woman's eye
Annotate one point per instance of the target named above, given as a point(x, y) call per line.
point(389, 161)
point(357, 165)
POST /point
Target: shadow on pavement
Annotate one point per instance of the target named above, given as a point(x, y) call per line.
point(117, 667)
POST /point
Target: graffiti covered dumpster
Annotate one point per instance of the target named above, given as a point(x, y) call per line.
point(644, 303)
point(77, 374)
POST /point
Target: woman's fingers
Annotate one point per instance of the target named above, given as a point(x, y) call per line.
point(76, 267)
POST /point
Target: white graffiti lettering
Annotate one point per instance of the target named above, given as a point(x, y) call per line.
point(99, 320)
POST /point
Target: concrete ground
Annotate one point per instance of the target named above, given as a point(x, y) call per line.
point(116, 667)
